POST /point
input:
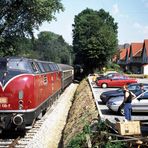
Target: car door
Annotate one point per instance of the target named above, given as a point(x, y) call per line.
point(125, 80)
point(140, 104)
point(117, 81)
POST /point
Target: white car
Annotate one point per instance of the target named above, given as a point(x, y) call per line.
point(140, 104)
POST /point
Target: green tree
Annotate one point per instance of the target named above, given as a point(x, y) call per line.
point(24, 47)
point(52, 47)
point(94, 38)
point(18, 18)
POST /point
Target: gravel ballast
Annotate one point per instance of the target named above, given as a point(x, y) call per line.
point(50, 132)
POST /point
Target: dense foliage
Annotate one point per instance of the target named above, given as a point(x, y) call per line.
point(52, 47)
point(18, 19)
point(94, 38)
point(98, 138)
point(48, 46)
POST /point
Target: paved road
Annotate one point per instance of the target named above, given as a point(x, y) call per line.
point(143, 80)
point(105, 113)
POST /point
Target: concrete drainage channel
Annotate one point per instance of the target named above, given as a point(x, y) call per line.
point(49, 134)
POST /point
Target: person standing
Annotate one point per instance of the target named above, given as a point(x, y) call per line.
point(126, 104)
point(141, 91)
point(141, 88)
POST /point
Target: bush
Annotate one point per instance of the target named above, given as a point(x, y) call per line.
point(99, 138)
point(79, 140)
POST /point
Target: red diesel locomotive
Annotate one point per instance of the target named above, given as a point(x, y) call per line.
point(27, 88)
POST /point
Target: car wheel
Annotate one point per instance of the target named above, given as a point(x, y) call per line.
point(105, 100)
point(104, 85)
point(121, 111)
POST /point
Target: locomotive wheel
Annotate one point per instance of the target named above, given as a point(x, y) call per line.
point(104, 85)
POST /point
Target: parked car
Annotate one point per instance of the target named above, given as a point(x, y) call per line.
point(140, 104)
point(116, 80)
point(108, 75)
point(134, 87)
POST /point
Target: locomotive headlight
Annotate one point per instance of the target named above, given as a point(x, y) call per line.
point(18, 119)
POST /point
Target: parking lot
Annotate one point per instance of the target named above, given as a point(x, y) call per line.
point(105, 113)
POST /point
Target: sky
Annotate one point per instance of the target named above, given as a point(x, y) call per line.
point(131, 16)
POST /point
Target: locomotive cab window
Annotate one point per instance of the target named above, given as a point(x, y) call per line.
point(3, 68)
point(18, 64)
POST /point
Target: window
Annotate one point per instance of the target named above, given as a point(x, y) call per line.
point(51, 67)
point(41, 67)
point(57, 68)
point(145, 87)
point(54, 66)
point(133, 87)
point(46, 67)
point(3, 65)
point(34, 67)
point(18, 64)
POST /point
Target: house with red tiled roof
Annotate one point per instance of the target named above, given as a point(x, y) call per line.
point(135, 58)
point(145, 57)
point(123, 54)
point(123, 58)
point(145, 51)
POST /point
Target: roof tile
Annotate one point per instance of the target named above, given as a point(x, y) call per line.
point(136, 49)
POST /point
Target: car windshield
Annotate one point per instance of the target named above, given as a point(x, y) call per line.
point(133, 87)
point(110, 75)
point(137, 87)
point(120, 90)
point(145, 87)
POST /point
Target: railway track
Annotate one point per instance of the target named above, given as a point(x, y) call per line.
point(21, 142)
point(8, 143)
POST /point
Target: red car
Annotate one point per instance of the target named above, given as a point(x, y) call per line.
point(117, 80)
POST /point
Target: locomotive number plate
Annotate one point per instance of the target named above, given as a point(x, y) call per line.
point(3, 100)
